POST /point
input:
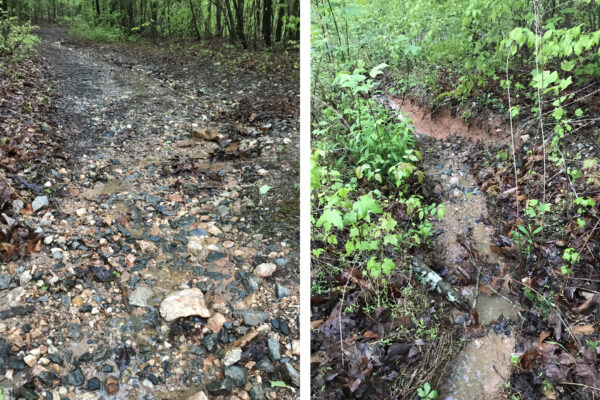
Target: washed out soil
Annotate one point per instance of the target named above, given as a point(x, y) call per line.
point(128, 201)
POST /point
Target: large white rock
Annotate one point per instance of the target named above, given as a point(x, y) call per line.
point(184, 303)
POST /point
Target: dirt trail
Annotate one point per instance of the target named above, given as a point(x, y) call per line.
point(465, 235)
point(138, 210)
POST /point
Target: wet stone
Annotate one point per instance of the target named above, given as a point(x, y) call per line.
point(16, 364)
point(290, 374)
point(282, 261)
point(274, 349)
point(251, 283)
point(106, 368)
point(265, 365)
point(220, 388)
point(4, 348)
point(74, 378)
point(281, 291)
point(5, 281)
point(39, 202)
point(253, 318)
point(140, 296)
point(210, 342)
point(257, 393)
point(198, 232)
point(47, 378)
point(215, 256)
point(93, 384)
point(238, 375)
point(101, 354)
point(281, 326)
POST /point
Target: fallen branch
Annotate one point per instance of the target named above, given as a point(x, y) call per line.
point(436, 283)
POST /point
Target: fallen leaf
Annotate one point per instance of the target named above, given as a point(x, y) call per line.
point(370, 335)
point(584, 329)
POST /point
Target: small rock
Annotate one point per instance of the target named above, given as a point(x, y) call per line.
point(140, 296)
point(253, 318)
point(112, 385)
point(81, 212)
point(290, 374)
point(237, 374)
point(198, 396)
point(25, 278)
point(281, 291)
point(5, 281)
point(93, 384)
point(232, 356)
point(39, 202)
point(195, 245)
point(274, 348)
point(257, 393)
point(251, 283)
point(48, 378)
point(453, 181)
point(75, 378)
point(265, 270)
point(265, 365)
point(220, 388)
point(215, 323)
point(184, 303)
point(30, 360)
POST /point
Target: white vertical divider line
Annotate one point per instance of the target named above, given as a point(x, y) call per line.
point(304, 199)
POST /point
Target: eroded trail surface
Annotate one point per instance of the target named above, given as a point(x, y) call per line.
point(139, 210)
point(466, 237)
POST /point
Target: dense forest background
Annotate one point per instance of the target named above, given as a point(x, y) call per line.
point(250, 23)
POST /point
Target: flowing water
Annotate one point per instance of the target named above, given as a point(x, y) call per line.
point(482, 367)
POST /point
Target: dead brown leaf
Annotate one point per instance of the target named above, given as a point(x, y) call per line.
point(587, 329)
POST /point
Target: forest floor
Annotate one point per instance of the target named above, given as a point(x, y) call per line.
point(531, 333)
point(159, 174)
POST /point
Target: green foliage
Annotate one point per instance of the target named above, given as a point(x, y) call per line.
point(242, 22)
point(16, 40)
point(426, 392)
point(571, 257)
point(81, 27)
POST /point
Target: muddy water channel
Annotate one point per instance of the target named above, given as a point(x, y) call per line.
point(482, 367)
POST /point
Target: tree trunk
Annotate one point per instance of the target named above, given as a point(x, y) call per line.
point(97, 9)
point(267, 21)
point(239, 26)
point(280, 14)
point(195, 20)
point(208, 22)
point(218, 27)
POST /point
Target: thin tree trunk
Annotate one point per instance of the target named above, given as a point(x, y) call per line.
point(267, 21)
point(195, 20)
point(279, 27)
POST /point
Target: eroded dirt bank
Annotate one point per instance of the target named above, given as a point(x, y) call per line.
point(136, 210)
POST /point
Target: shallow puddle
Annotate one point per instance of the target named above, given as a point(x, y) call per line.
point(480, 370)
point(491, 307)
point(110, 187)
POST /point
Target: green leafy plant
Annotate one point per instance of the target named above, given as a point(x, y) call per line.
point(571, 257)
point(426, 392)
